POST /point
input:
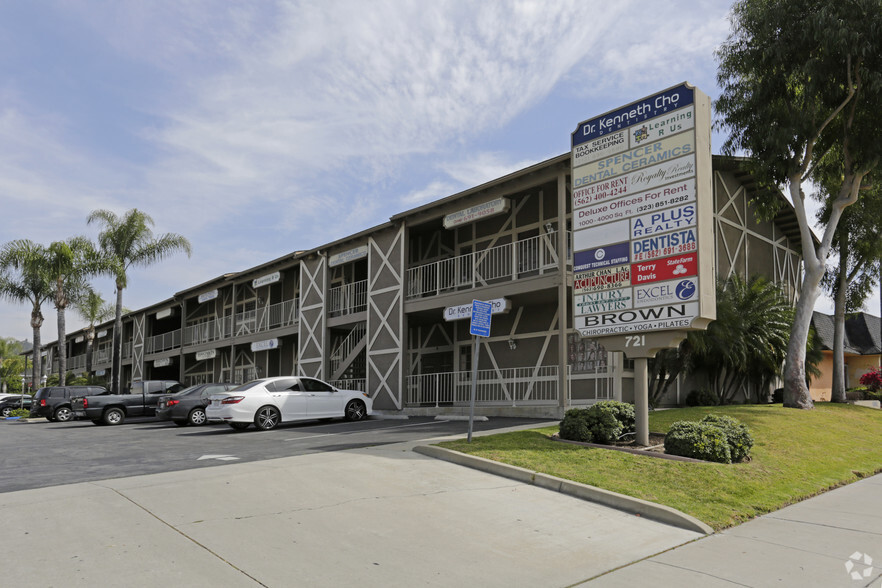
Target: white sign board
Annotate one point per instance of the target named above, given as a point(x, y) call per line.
point(203, 355)
point(464, 311)
point(164, 362)
point(643, 217)
point(477, 212)
point(347, 256)
point(265, 345)
point(267, 279)
point(206, 296)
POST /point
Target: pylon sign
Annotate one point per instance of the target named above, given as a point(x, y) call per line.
point(643, 217)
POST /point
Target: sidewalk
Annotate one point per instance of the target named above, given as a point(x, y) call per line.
point(821, 541)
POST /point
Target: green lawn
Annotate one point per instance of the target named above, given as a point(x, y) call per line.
point(796, 454)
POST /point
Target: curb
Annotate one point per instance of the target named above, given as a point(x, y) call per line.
point(650, 510)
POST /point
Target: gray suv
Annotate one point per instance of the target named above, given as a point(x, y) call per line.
point(53, 402)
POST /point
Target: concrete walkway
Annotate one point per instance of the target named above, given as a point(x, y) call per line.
point(384, 516)
point(834, 539)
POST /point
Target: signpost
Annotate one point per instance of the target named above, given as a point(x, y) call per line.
point(643, 234)
point(479, 327)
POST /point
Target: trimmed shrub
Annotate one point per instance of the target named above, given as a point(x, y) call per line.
point(737, 433)
point(699, 441)
point(20, 412)
point(701, 398)
point(603, 422)
point(717, 438)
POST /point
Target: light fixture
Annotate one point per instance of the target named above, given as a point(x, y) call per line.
point(549, 228)
point(512, 344)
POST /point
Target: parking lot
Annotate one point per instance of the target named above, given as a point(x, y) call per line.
point(40, 454)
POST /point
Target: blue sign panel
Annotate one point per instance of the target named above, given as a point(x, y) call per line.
point(616, 120)
point(480, 325)
point(603, 257)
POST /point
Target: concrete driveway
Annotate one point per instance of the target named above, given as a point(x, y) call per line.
point(382, 516)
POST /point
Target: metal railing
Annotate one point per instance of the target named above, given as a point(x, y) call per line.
point(349, 384)
point(212, 330)
point(536, 255)
point(509, 386)
point(348, 298)
point(274, 316)
point(346, 346)
point(164, 342)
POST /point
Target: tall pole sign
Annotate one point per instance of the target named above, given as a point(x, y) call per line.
point(643, 235)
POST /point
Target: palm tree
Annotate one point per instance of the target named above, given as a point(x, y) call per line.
point(92, 309)
point(125, 242)
point(24, 278)
point(71, 262)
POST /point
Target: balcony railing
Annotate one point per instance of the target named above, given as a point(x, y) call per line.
point(282, 314)
point(349, 384)
point(533, 256)
point(506, 387)
point(164, 342)
point(347, 299)
point(211, 330)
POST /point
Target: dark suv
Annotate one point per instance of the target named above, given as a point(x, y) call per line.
point(53, 402)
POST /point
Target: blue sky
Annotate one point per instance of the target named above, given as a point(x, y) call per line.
point(259, 128)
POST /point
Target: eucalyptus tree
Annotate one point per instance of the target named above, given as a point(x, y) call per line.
point(799, 77)
point(127, 241)
point(24, 279)
point(93, 309)
point(71, 264)
point(857, 270)
point(10, 362)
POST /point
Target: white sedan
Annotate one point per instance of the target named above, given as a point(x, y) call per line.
point(270, 401)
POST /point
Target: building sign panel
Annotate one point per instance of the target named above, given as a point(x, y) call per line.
point(265, 345)
point(267, 279)
point(347, 256)
point(203, 355)
point(165, 313)
point(164, 362)
point(206, 296)
point(464, 311)
point(643, 215)
point(477, 212)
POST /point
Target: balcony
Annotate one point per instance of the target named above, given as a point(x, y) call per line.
point(164, 342)
point(211, 330)
point(347, 299)
point(504, 387)
point(274, 316)
point(521, 259)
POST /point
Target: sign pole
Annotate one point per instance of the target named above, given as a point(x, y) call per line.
point(474, 392)
point(641, 400)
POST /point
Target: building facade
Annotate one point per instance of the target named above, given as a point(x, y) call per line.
point(377, 310)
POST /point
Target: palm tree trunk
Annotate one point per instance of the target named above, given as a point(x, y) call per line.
point(90, 339)
point(62, 348)
point(116, 365)
point(36, 323)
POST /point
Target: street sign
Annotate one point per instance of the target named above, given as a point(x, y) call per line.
point(480, 325)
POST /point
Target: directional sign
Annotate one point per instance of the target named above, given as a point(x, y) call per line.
point(480, 325)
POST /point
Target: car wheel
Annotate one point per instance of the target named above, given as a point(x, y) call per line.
point(355, 410)
point(240, 426)
point(63, 414)
point(266, 418)
point(197, 417)
point(180, 423)
point(114, 416)
point(7, 411)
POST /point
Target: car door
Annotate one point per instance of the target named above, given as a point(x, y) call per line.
point(289, 397)
point(323, 400)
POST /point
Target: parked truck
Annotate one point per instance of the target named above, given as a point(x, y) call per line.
point(113, 409)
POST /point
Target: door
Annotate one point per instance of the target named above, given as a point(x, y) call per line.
point(290, 398)
point(323, 400)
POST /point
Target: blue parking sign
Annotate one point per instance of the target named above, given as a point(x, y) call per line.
point(480, 325)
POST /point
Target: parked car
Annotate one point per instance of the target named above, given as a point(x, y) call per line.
point(188, 405)
point(113, 409)
point(7, 405)
point(270, 401)
point(53, 402)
